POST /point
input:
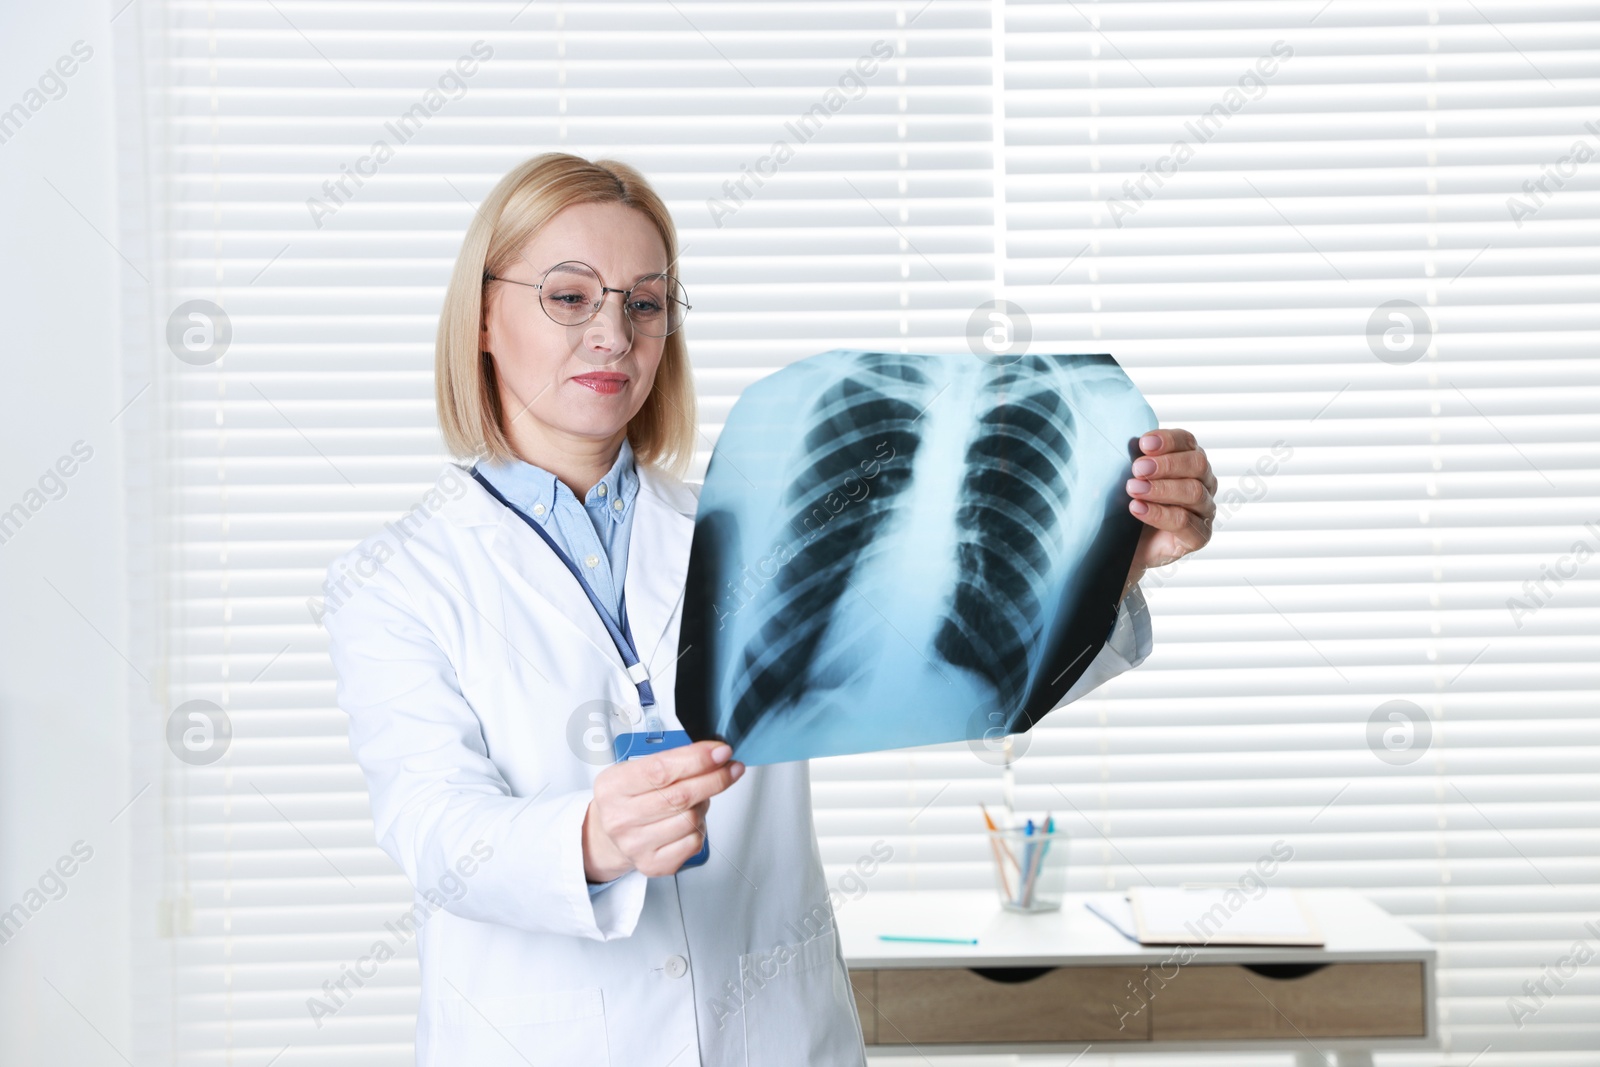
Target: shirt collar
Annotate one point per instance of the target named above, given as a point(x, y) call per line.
point(535, 491)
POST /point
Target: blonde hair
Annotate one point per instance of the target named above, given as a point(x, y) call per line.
point(465, 388)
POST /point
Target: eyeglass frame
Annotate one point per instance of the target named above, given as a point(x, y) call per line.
point(604, 289)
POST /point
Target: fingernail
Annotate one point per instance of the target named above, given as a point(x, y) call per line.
point(721, 753)
point(736, 771)
point(1149, 442)
point(1143, 466)
point(1138, 485)
point(1139, 507)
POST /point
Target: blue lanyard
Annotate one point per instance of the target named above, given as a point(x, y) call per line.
point(622, 637)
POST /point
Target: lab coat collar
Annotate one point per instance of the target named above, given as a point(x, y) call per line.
point(658, 553)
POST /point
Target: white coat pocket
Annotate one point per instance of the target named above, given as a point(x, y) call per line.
point(564, 1027)
point(800, 1011)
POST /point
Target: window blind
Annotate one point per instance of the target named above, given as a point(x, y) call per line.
point(1230, 197)
point(830, 168)
point(1384, 497)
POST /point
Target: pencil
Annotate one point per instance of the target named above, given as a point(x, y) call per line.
point(995, 846)
point(1006, 848)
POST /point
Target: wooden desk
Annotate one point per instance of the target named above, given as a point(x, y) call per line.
point(1062, 981)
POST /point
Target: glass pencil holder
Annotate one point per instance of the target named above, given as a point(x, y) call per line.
point(1030, 870)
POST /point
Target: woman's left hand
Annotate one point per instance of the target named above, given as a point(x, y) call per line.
point(1173, 495)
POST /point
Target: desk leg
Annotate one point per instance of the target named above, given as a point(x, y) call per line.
point(1355, 1058)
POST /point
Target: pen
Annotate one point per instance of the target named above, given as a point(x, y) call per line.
point(934, 940)
point(1025, 878)
point(1037, 862)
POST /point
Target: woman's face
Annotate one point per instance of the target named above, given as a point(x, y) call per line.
point(575, 381)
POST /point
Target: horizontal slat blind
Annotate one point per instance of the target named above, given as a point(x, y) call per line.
point(1382, 512)
point(1404, 505)
point(318, 424)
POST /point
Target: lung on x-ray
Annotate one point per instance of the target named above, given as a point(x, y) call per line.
point(896, 549)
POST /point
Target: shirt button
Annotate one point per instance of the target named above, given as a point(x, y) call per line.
point(538, 509)
point(601, 489)
point(590, 561)
point(676, 966)
point(617, 504)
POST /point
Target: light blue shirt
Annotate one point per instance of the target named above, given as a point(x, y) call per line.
point(594, 533)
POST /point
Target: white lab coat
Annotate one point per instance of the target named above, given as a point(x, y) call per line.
point(463, 647)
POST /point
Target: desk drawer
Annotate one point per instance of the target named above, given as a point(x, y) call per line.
point(955, 1005)
point(864, 984)
point(1337, 1000)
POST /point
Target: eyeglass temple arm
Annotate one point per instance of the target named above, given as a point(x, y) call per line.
point(488, 277)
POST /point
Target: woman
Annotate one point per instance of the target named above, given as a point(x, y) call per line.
point(557, 921)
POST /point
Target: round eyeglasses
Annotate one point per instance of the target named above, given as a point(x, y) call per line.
point(571, 294)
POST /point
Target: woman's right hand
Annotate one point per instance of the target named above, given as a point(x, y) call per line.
point(648, 814)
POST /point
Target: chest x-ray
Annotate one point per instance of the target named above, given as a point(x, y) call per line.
point(896, 549)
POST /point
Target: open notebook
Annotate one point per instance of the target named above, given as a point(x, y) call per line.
point(1162, 915)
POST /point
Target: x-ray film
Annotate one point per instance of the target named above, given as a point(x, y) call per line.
point(896, 549)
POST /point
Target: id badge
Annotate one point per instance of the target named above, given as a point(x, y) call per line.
point(648, 743)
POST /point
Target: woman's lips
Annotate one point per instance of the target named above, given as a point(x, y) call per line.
point(606, 384)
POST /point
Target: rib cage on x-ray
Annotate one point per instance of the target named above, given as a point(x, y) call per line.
point(852, 420)
point(977, 570)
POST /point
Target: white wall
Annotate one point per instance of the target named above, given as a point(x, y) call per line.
point(63, 591)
